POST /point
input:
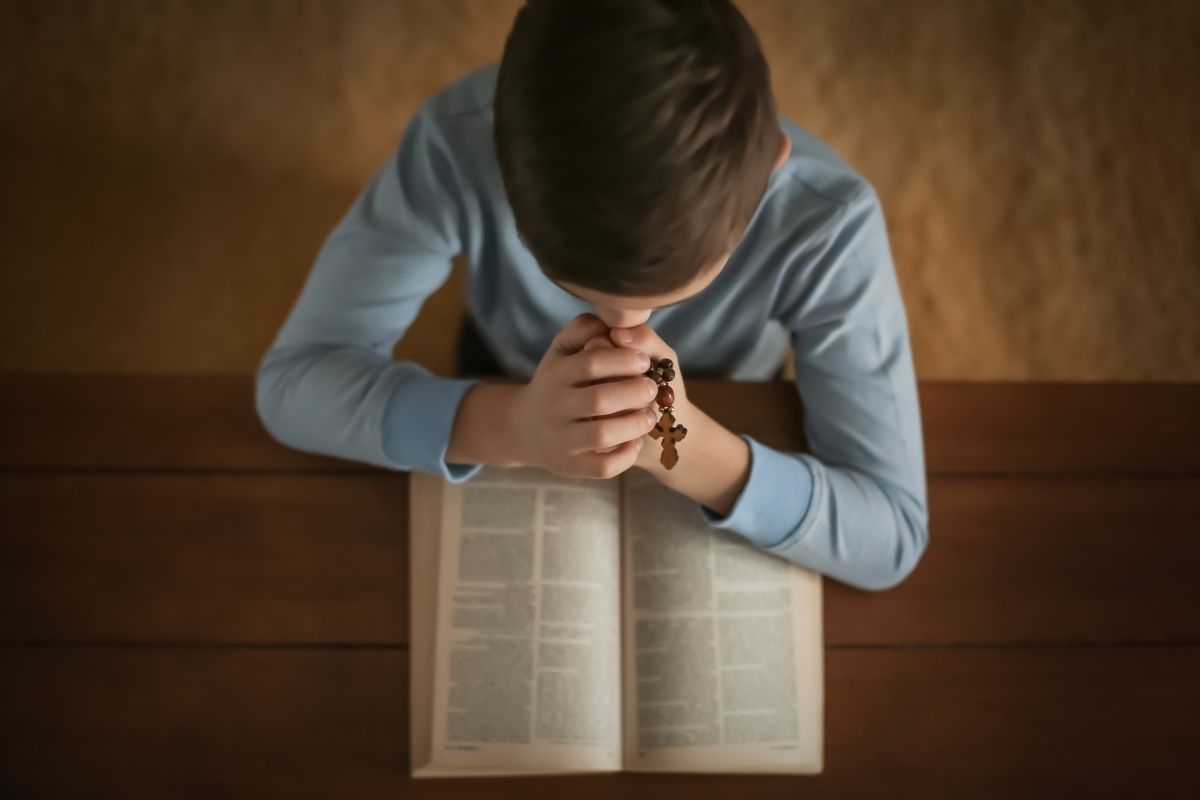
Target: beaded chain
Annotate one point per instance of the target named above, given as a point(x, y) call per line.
point(663, 372)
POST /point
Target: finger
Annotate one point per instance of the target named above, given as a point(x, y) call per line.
point(612, 464)
point(645, 339)
point(576, 334)
point(597, 341)
point(613, 397)
point(600, 341)
point(603, 362)
point(609, 432)
point(621, 337)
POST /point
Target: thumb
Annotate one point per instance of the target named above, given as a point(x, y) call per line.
point(646, 339)
point(642, 337)
point(572, 338)
point(597, 341)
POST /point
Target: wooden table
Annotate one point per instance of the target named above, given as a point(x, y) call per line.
point(191, 610)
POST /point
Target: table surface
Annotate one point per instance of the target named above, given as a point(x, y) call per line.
point(190, 609)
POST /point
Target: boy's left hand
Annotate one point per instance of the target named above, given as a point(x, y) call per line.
point(645, 339)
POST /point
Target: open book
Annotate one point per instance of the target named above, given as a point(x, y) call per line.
point(593, 626)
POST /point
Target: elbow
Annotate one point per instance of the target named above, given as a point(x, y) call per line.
point(911, 539)
point(268, 397)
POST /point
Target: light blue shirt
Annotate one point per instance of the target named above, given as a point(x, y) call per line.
point(814, 267)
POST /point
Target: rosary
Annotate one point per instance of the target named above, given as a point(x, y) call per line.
point(663, 372)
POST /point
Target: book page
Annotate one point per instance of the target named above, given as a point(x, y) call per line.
point(527, 671)
point(723, 649)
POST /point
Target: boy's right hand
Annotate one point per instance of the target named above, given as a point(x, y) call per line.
point(583, 401)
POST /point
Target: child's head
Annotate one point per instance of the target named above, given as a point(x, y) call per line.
point(635, 139)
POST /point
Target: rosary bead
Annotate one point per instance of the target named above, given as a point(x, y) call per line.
point(666, 396)
point(668, 374)
point(666, 363)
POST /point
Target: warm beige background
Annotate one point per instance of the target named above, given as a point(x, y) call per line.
point(171, 167)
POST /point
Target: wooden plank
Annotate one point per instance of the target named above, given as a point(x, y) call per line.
point(161, 422)
point(208, 557)
point(284, 558)
point(1062, 427)
point(140, 422)
point(1042, 559)
point(1009, 722)
point(177, 722)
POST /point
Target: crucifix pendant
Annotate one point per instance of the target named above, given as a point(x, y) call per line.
point(670, 433)
point(665, 429)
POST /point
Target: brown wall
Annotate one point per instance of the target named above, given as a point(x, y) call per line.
point(171, 167)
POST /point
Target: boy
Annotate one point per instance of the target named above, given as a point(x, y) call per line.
point(624, 189)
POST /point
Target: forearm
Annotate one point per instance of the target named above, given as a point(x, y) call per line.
point(841, 522)
point(482, 432)
point(348, 402)
point(838, 521)
point(858, 530)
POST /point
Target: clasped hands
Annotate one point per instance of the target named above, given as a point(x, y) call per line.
point(588, 408)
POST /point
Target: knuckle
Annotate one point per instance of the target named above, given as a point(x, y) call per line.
point(553, 369)
point(575, 442)
point(590, 365)
point(594, 403)
point(610, 467)
point(595, 468)
point(625, 460)
point(597, 437)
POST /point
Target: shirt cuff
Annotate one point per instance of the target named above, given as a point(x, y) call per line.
point(774, 501)
point(418, 421)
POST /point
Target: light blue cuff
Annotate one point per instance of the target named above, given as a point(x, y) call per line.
point(418, 421)
point(773, 502)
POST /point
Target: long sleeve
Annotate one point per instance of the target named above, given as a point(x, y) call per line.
point(328, 383)
point(854, 506)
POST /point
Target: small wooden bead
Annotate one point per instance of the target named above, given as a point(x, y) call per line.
point(666, 396)
point(668, 374)
point(666, 363)
point(657, 375)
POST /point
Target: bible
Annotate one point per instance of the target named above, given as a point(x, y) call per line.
point(570, 625)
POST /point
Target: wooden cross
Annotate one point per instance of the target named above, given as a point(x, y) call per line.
point(670, 433)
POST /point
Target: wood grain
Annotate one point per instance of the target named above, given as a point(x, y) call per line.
point(1061, 427)
point(1041, 559)
point(208, 557)
point(980, 723)
point(294, 558)
point(209, 423)
point(142, 422)
point(189, 609)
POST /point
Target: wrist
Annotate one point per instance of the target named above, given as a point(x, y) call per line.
point(508, 407)
point(484, 426)
point(714, 470)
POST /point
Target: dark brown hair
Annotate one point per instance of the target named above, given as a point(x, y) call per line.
point(635, 137)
